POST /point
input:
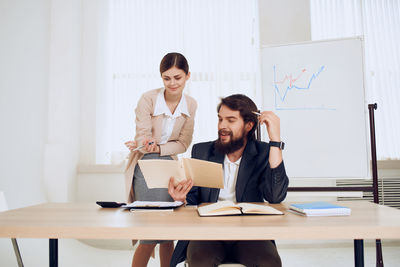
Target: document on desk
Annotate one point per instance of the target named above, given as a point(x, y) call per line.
point(155, 205)
point(203, 173)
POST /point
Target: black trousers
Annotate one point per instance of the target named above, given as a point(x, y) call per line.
point(249, 253)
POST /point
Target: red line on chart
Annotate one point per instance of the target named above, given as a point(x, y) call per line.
point(292, 80)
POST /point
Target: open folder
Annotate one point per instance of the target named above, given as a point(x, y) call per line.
point(203, 173)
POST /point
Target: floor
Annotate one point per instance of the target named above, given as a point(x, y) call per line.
point(294, 253)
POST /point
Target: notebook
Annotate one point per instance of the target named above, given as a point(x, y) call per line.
point(320, 209)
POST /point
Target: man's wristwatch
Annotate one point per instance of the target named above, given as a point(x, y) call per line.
point(281, 145)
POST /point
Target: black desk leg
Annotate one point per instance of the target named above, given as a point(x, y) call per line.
point(379, 257)
point(53, 252)
point(359, 253)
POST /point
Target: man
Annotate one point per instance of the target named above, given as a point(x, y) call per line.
point(253, 172)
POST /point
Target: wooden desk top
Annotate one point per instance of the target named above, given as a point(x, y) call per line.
point(87, 220)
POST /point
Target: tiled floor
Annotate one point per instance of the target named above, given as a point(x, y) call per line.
point(296, 253)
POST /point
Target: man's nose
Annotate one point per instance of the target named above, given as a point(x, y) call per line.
point(222, 125)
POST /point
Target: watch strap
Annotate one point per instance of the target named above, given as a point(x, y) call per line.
point(281, 145)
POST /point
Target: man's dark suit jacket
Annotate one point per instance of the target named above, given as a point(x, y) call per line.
point(256, 181)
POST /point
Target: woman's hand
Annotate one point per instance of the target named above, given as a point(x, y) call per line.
point(179, 192)
point(131, 145)
point(150, 145)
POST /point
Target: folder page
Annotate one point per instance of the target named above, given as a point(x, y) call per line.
point(157, 172)
point(205, 173)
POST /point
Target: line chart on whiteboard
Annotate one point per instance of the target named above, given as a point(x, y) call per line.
point(293, 91)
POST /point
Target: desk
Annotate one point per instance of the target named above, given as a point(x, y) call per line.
point(87, 220)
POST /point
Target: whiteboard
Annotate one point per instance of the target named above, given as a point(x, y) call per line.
point(317, 90)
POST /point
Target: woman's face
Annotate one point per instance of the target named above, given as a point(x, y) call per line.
point(174, 80)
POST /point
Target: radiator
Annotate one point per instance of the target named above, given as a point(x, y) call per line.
point(388, 187)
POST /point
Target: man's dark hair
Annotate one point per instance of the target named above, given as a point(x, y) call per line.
point(245, 106)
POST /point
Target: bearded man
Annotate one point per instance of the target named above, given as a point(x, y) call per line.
point(253, 172)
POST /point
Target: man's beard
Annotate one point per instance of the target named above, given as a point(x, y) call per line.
point(232, 146)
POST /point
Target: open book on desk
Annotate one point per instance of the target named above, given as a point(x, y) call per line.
point(203, 173)
point(230, 208)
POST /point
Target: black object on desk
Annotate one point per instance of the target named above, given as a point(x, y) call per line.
point(109, 204)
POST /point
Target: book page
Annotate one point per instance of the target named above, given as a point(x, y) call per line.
point(157, 172)
point(219, 208)
point(249, 208)
point(205, 173)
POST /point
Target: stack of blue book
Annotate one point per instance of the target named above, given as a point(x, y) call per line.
point(320, 209)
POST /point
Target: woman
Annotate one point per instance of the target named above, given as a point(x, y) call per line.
point(164, 125)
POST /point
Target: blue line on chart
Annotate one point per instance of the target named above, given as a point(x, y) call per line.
point(313, 77)
point(290, 87)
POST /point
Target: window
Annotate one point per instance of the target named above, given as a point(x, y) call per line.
point(379, 23)
point(219, 39)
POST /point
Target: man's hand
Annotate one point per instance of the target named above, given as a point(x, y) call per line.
point(179, 192)
point(272, 122)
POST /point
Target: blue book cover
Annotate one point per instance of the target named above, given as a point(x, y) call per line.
point(320, 209)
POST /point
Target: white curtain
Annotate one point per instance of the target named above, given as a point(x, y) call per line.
point(379, 22)
point(218, 38)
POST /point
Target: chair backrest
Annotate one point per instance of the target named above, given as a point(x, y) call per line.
point(3, 203)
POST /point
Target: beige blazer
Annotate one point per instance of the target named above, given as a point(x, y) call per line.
point(148, 125)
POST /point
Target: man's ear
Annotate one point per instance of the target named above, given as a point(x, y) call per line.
point(248, 126)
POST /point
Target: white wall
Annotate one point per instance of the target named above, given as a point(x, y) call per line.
point(24, 75)
point(40, 52)
point(64, 92)
point(40, 55)
point(284, 21)
point(24, 53)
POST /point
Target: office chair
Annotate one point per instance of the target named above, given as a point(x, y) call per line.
point(3, 207)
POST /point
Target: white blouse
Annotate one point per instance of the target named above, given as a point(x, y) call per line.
point(169, 118)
